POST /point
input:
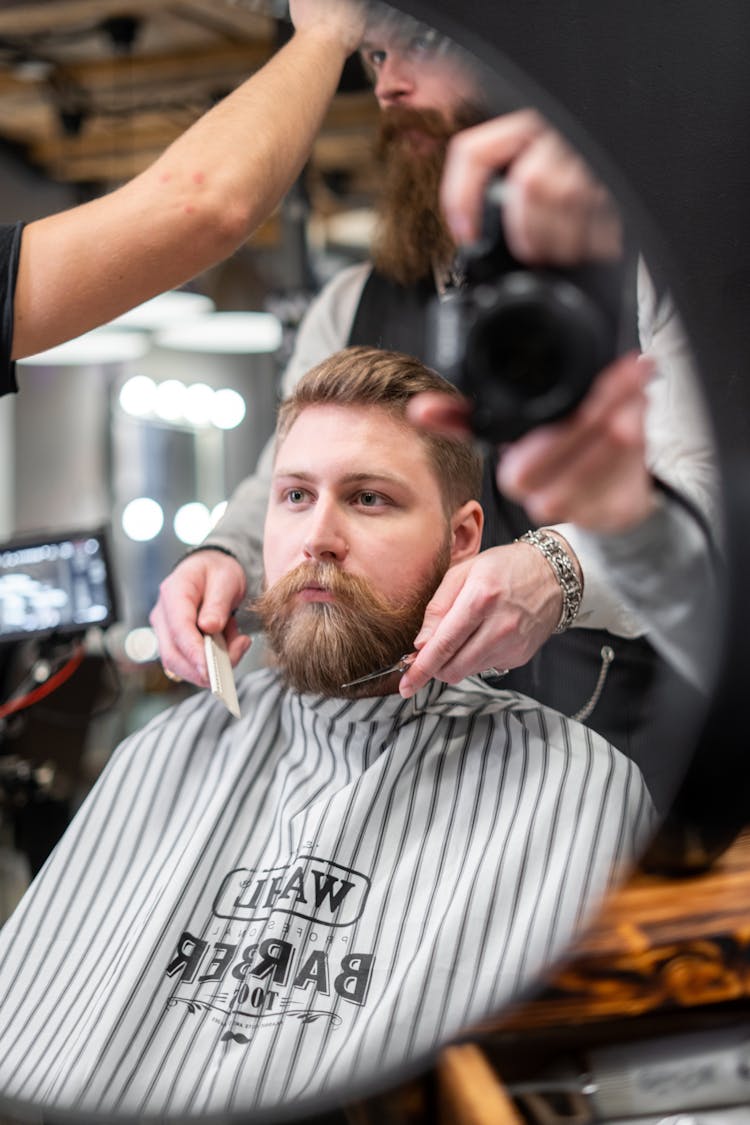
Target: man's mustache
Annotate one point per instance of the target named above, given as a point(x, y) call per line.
point(396, 121)
point(348, 589)
point(321, 644)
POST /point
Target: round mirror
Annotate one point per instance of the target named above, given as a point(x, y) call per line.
point(269, 917)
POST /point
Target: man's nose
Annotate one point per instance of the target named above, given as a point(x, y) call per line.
point(395, 83)
point(325, 540)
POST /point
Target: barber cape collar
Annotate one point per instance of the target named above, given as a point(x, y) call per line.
point(471, 696)
point(250, 913)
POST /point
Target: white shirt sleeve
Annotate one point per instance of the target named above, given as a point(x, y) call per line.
point(679, 604)
point(324, 330)
point(680, 450)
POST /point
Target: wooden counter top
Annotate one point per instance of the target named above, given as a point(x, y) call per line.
point(658, 944)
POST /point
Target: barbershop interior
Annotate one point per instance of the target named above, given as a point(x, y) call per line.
point(464, 849)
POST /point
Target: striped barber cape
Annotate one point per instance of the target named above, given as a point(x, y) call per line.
point(259, 911)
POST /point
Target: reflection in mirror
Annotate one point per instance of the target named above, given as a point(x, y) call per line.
point(265, 914)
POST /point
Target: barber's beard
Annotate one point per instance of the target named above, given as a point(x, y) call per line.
point(319, 646)
point(412, 238)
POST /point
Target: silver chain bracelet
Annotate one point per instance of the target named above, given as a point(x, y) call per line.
point(564, 571)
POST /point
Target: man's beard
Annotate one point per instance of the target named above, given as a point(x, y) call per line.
point(319, 646)
point(412, 238)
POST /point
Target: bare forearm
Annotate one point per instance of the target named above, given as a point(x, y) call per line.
point(199, 201)
point(239, 159)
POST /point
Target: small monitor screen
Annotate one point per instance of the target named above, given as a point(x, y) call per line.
point(60, 583)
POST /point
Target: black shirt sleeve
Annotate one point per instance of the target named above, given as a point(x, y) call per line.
point(10, 246)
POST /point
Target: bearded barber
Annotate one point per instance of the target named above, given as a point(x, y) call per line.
point(511, 601)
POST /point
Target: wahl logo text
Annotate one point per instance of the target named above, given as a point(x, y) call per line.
point(317, 889)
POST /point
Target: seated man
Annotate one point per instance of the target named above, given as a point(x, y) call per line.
point(257, 911)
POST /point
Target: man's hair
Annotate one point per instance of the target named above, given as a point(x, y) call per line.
point(362, 376)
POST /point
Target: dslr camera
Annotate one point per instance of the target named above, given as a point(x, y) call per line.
point(524, 344)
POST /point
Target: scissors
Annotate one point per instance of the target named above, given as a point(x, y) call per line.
point(401, 665)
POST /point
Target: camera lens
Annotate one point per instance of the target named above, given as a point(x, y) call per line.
point(534, 348)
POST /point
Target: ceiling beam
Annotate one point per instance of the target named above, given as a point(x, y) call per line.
point(35, 16)
point(229, 62)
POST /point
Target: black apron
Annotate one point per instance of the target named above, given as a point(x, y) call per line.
point(640, 704)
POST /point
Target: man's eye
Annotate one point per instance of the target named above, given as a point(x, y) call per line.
point(375, 58)
point(424, 43)
point(296, 495)
point(370, 499)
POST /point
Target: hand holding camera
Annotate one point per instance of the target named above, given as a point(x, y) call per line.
point(541, 349)
point(524, 342)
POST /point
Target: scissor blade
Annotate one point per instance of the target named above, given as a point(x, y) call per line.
point(371, 676)
point(400, 666)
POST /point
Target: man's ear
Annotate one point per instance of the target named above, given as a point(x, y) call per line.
point(466, 531)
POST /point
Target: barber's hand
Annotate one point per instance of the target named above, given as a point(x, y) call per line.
point(590, 468)
point(198, 597)
point(492, 611)
point(555, 211)
point(340, 20)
